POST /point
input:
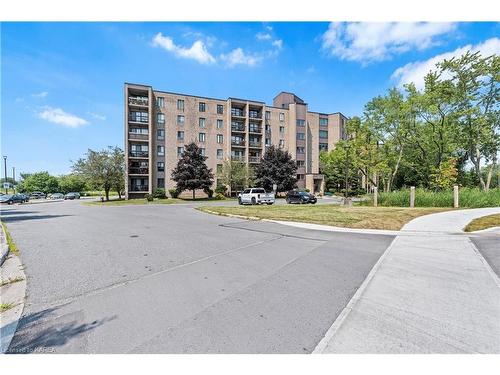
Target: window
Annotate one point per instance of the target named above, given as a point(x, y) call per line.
point(160, 166)
point(301, 136)
point(282, 143)
point(300, 177)
point(268, 115)
point(180, 135)
point(139, 151)
point(323, 146)
point(201, 107)
point(268, 141)
point(161, 183)
point(219, 168)
point(282, 129)
point(160, 118)
point(301, 163)
point(160, 150)
point(301, 123)
point(220, 153)
point(282, 116)
point(160, 134)
point(323, 133)
point(254, 113)
point(268, 128)
point(220, 124)
point(160, 102)
point(138, 116)
point(201, 137)
point(323, 121)
point(139, 131)
point(220, 109)
point(301, 150)
point(202, 149)
point(220, 138)
point(180, 120)
point(254, 128)
point(180, 152)
point(237, 112)
point(180, 104)
point(201, 122)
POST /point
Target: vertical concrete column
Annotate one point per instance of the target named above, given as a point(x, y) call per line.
point(375, 196)
point(455, 196)
point(412, 196)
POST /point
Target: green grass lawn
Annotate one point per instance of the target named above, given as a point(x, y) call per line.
point(123, 202)
point(484, 222)
point(363, 217)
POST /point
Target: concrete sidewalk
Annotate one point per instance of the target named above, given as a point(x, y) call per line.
point(429, 294)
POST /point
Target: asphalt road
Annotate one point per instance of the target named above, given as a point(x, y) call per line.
point(488, 246)
point(170, 279)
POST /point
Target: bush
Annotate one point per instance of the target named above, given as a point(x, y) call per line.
point(174, 193)
point(209, 192)
point(149, 197)
point(221, 189)
point(220, 196)
point(468, 198)
point(160, 193)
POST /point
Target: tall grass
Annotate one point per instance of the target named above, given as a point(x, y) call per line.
point(469, 198)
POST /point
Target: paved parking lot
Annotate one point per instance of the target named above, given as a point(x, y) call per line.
point(170, 279)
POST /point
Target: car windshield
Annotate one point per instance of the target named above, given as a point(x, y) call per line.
point(304, 193)
point(5, 196)
point(259, 191)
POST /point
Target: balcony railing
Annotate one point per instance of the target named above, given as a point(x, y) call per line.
point(138, 100)
point(139, 154)
point(238, 157)
point(238, 143)
point(137, 118)
point(238, 127)
point(139, 136)
point(139, 188)
point(254, 159)
point(137, 170)
point(237, 112)
point(253, 114)
point(254, 144)
point(255, 129)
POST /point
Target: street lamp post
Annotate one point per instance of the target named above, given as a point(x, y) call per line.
point(14, 178)
point(5, 173)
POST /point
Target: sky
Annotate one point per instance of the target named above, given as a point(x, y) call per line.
point(62, 83)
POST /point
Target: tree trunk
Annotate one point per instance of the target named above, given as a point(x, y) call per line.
point(193, 194)
point(477, 166)
point(393, 175)
point(490, 174)
point(106, 191)
point(119, 194)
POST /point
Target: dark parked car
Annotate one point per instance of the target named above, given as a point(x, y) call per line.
point(25, 197)
point(11, 198)
point(300, 197)
point(72, 196)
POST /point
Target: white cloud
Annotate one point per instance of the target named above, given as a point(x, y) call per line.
point(60, 117)
point(416, 71)
point(97, 116)
point(263, 36)
point(198, 50)
point(278, 43)
point(238, 57)
point(377, 41)
point(40, 95)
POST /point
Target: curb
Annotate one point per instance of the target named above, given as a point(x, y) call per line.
point(4, 246)
point(15, 293)
point(351, 304)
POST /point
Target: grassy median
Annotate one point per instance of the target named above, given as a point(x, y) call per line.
point(363, 217)
point(484, 222)
point(125, 202)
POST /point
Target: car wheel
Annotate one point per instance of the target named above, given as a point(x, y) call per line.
point(287, 201)
point(254, 201)
point(270, 203)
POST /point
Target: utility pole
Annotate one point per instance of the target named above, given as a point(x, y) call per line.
point(14, 178)
point(5, 172)
point(346, 171)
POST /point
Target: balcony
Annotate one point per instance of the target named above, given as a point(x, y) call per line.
point(238, 127)
point(255, 129)
point(141, 188)
point(141, 101)
point(255, 144)
point(238, 143)
point(238, 157)
point(138, 137)
point(255, 115)
point(254, 159)
point(138, 170)
point(137, 118)
point(236, 112)
point(139, 154)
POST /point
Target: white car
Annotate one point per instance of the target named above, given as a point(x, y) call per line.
point(255, 196)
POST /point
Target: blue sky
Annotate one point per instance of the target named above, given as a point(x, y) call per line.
point(62, 83)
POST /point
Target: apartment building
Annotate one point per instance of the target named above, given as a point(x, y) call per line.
point(158, 124)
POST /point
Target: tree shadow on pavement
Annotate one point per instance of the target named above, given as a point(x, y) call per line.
point(44, 331)
point(10, 219)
